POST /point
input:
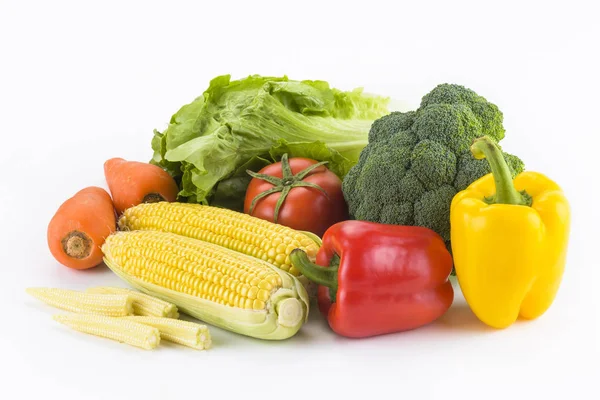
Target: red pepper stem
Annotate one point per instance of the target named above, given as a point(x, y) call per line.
point(506, 193)
point(326, 276)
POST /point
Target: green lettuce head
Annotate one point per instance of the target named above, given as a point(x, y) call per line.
point(249, 123)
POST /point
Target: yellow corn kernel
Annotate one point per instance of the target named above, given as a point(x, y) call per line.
point(112, 305)
point(115, 328)
point(248, 303)
point(186, 333)
point(252, 292)
point(263, 295)
point(143, 304)
point(258, 304)
point(264, 284)
point(236, 231)
point(280, 259)
point(191, 266)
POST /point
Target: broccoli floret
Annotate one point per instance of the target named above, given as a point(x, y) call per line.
point(368, 212)
point(397, 214)
point(489, 115)
point(453, 125)
point(433, 208)
point(410, 188)
point(469, 170)
point(417, 161)
point(386, 126)
point(433, 163)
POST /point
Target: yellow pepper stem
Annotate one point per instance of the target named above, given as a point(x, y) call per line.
point(506, 193)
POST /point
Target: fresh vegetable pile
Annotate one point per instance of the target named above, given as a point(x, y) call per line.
point(266, 193)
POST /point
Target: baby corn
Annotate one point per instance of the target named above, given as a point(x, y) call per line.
point(143, 304)
point(186, 333)
point(111, 305)
point(119, 329)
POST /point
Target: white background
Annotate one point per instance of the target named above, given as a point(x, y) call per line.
point(81, 82)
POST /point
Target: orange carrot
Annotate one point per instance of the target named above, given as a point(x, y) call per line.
point(80, 226)
point(133, 182)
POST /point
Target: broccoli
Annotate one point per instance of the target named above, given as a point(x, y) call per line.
point(416, 161)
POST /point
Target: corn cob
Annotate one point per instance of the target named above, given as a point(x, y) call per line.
point(142, 303)
point(119, 329)
point(231, 229)
point(187, 333)
point(112, 305)
point(214, 284)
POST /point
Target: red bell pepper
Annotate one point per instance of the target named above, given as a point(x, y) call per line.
point(377, 278)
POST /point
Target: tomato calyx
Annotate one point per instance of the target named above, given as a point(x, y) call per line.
point(285, 184)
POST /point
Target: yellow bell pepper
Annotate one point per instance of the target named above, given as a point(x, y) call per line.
point(509, 241)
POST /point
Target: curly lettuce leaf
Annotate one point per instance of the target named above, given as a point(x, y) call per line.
point(257, 119)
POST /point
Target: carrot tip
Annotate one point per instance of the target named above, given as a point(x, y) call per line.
point(153, 198)
point(77, 244)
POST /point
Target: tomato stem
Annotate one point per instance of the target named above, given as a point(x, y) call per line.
point(284, 184)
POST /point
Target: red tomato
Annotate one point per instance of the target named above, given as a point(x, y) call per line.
point(303, 208)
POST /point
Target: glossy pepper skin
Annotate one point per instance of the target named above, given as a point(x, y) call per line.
point(509, 241)
point(377, 279)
